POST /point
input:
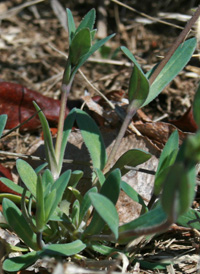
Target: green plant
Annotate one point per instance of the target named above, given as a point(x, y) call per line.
point(50, 222)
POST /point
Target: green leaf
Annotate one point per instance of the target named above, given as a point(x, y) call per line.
point(47, 181)
point(75, 213)
point(103, 249)
point(3, 120)
point(196, 104)
point(85, 204)
point(15, 198)
point(69, 122)
point(75, 178)
point(40, 206)
point(80, 45)
point(21, 262)
point(48, 142)
point(93, 33)
point(59, 186)
point(176, 63)
point(88, 21)
point(93, 48)
point(178, 190)
point(18, 223)
point(133, 195)
point(49, 202)
point(106, 210)
point(13, 186)
point(132, 157)
point(100, 176)
point(152, 218)
point(73, 181)
point(190, 219)
point(92, 138)
point(71, 25)
point(167, 158)
point(138, 85)
point(111, 190)
point(40, 167)
point(28, 175)
point(64, 249)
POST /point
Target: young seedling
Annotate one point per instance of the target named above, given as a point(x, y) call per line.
point(56, 219)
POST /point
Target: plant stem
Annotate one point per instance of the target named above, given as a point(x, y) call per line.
point(40, 241)
point(130, 113)
point(65, 88)
point(176, 44)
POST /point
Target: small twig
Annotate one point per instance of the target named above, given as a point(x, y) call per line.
point(151, 172)
point(176, 44)
point(36, 158)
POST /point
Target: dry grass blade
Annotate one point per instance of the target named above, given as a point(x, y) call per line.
point(146, 15)
point(60, 13)
point(17, 9)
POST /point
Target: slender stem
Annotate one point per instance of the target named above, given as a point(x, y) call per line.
point(176, 44)
point(40, 242)
point(131, 112)
point(135, 232)
point(65, 88)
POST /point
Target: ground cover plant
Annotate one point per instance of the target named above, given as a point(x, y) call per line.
point(55, 218)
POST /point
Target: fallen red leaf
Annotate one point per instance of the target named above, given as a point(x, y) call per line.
point(5, 172)
point(17, 102)
point(186, 122)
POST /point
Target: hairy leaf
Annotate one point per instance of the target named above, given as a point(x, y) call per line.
point(80, 45)
point(132, 157)
point(176, 63)
point(111, 190)
point(138, 85)
point(178, 190)
point(64, 249)
point(167, 158)
point(18, 223)
point(92, 138)
point(106, 210)
point(48, 142)
point(86, 203)
point(88, 21)
point(93, 48)
point(28, 175)
point(21, 262)
point(71, 25)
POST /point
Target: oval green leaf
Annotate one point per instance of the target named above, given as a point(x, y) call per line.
point(92, 138)
point(18, 223)
point(21, 262)
point(64, 249)
point(28, 175)
point(80, 45)
point(132, 157)
point(106, 210)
